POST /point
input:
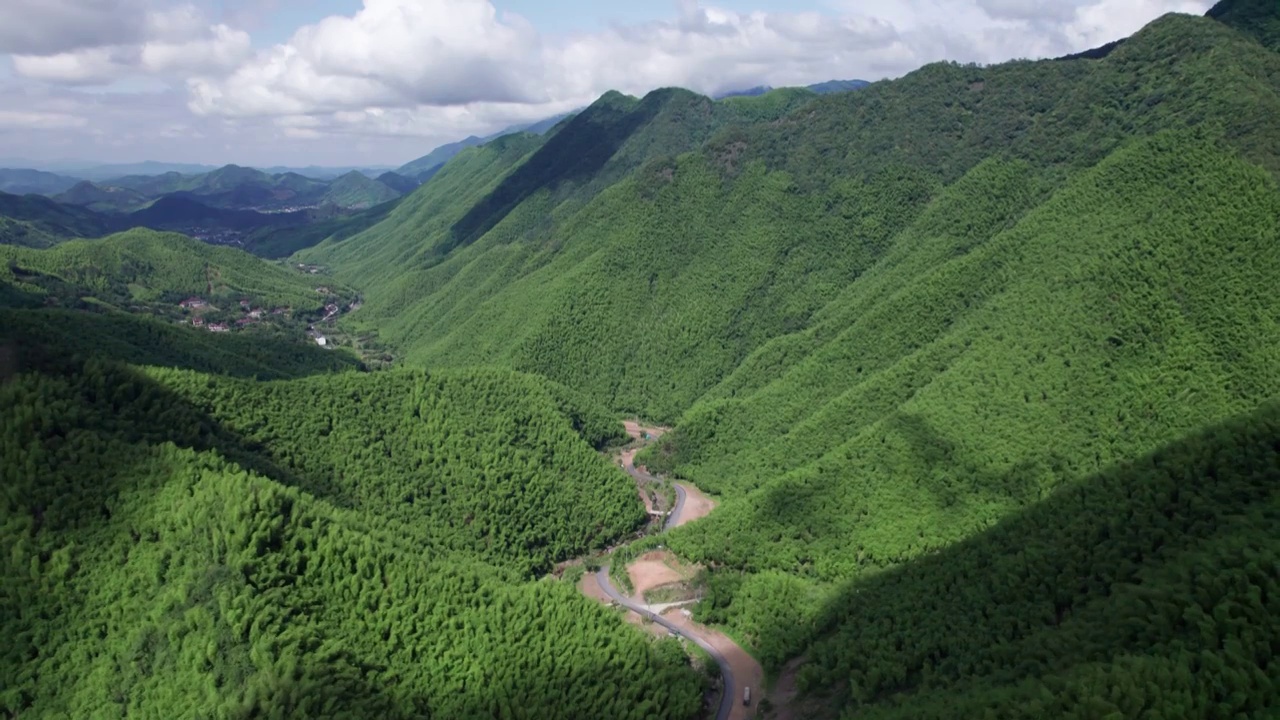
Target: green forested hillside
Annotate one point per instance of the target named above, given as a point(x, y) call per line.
point(179, 541)
point(891, 324)
point(982, 364)
point(55, 337)
point(475, 461)
point(103, 199)
point(143, 266)
point(357, 190)
point(119, 297)
point(952, 390)
point(655, 290)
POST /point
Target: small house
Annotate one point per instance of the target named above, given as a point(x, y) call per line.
point(192, 303)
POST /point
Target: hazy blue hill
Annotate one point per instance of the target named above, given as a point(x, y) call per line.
point(428, 163)
point(231, 177)
point(838, 86)
point(358, 191)
point(104, 199)
point(829, 87)
point(100, 172)
point(230, 187)
point(25, 182)
point(275, 241)
point(154, 185)
point(180, 211)
point(399, 183)
point(749, 92)
point(37, 221)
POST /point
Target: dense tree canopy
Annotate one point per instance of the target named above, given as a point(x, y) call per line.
point(982, 363)
point(159, 561)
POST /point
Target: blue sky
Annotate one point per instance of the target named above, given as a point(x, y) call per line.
point(380, 82)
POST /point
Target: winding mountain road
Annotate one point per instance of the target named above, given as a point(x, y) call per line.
point(676, 517)
point(726, 670)
point(719, 646)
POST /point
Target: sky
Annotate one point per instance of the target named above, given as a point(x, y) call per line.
point(381, 82)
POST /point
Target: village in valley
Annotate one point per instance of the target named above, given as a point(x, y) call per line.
point(202, 313)
point(221, 314)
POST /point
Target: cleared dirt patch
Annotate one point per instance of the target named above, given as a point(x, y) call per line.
point(746, 671)
point(696, 505)
point(637, 431)
point(653, 570)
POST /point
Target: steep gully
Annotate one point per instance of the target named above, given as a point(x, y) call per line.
point(738, 669)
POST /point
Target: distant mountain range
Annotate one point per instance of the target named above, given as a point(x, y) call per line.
point(27, 176)
point(25, 181)
point(233, 188)
point(231, 205)
point(273, 208)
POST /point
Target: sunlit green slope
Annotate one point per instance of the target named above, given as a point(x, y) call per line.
point(657, 288)
point(144, 266)
point(889, 323)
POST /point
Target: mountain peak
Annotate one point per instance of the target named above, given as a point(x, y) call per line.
point(1259, 18)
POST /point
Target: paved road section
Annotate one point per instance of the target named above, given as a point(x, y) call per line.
point(731, 690)
point(673, 518)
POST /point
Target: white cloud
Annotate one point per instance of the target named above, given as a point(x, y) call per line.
point(16, 119)
point(392, 52)
point(48, 27)
point(425, 53)
point(177, 42)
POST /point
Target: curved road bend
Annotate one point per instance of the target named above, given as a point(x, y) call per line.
point(730, 688)
point(629, 464)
